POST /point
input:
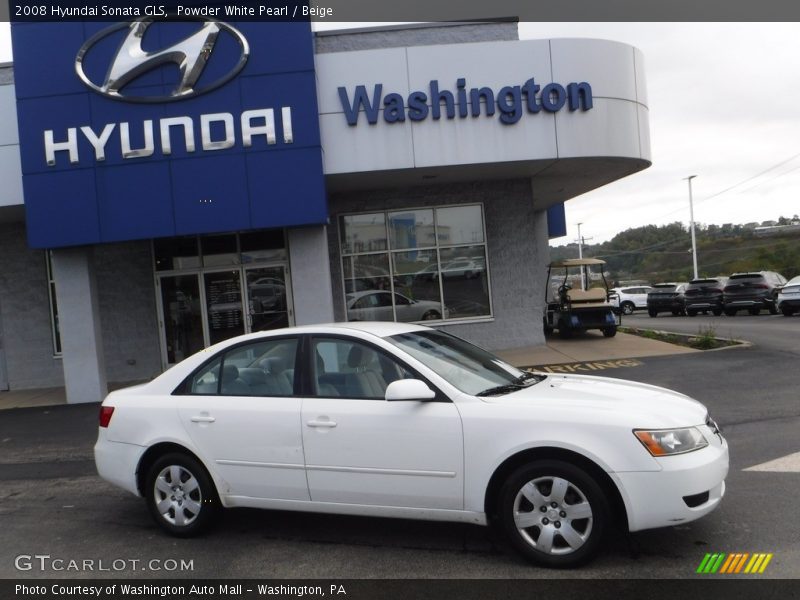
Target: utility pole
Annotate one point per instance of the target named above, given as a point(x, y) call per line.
point(691, 225)
point(581, 241)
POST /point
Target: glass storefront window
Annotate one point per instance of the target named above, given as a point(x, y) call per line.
point(464, 284)
point(460, 225)
point(412, 229)
point(219, 250)
point(364, 233)
point(263, 246)
point(174, 254)
point(437, 268)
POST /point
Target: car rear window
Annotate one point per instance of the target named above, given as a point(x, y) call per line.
point(751, 276)
point(701, 283)
point(660, 287)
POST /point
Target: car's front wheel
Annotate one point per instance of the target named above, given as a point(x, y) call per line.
point(431, 315)
point(627, 308)
point(554, 513)
point(180, 495)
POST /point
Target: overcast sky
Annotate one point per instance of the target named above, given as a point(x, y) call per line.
point(724, 105)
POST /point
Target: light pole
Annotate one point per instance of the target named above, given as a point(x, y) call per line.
point(691, 225)
point(580, 255)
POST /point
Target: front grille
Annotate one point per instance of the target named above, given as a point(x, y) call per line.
point(696, 499)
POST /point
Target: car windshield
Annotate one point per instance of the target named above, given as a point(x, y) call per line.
point(466, 367)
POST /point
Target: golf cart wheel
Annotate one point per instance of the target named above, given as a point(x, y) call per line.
point(610, 331)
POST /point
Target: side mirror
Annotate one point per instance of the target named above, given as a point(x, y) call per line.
point(409, 389)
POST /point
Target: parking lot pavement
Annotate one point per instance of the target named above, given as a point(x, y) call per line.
point(52, 503)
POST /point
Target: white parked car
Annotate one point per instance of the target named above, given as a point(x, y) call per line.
point(398, 420)
point(629, 299)
point(789, 297)
point(376, 305)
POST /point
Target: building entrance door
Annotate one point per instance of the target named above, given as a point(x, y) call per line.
point(268, 298)
point(208, 306)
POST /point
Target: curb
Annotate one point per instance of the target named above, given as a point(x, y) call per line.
point(734, 343)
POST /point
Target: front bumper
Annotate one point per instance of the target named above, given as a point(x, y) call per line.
point(793, 302)
point(656, 498)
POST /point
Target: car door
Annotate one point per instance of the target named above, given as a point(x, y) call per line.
point(361, 449)
point(240, 412)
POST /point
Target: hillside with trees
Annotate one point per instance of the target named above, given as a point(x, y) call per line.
point(663, 252)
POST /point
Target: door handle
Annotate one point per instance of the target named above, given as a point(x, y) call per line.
point(203, 419)
point(325, 423)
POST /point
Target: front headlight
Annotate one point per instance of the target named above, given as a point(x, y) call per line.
point(665, 442)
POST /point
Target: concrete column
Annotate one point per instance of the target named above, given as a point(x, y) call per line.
point(310, 266)
point(79, 324)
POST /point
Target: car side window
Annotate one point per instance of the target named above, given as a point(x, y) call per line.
point(260, 368)
point(351, 369)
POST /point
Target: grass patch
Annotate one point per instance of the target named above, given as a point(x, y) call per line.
point(705, 338)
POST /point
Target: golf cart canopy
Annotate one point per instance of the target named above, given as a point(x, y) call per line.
point(576, 262)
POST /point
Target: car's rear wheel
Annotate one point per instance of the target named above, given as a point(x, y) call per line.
point(717, 312)
point(652, 313)
point(787, 312)
point(731, 312)
point(754, 311)
point(691, 312)
point(627, 308)
point(554, 513)
point(180, 495)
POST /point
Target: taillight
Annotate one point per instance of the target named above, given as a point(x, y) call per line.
point(761, 286)
point(105, 415)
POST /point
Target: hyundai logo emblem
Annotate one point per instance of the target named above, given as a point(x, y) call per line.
point(131, 61)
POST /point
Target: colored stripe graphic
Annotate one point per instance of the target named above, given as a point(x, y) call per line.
point(720, 562)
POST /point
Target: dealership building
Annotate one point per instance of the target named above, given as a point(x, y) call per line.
point(167, 185)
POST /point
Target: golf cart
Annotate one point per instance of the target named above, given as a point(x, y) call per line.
point(572, 306)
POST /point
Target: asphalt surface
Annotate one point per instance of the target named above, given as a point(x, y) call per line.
point(52, 503)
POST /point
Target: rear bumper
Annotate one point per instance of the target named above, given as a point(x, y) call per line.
point(665, 305)
point(793, 303)
point(670, 496)
point(747, 301)
point(117, 462)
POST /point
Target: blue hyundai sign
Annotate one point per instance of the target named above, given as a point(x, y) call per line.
point(148, 129)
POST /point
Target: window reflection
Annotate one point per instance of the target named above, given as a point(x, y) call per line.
point(460, 225)
point(412, 229)
point(436, 270)
point(364, 233)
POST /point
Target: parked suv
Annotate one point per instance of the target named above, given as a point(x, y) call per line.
point(703, 295)
point(628, 299)
point(666, 297)
point(752, 291)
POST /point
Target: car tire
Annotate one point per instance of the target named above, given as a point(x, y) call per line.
point(564, 536)
point(431, 315)
point(754, 311)
point(787, 312)
point(675, 313)
point(610, 331)
point(627, 308)
point(195, 504)
point(717, 312)
point(731, 312)
point(690, 312)
point(652, 313)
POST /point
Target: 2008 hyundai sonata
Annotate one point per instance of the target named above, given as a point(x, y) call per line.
point(397, 420)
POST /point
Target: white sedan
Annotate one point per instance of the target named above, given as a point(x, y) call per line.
point(789, 297)
point(397, 420)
